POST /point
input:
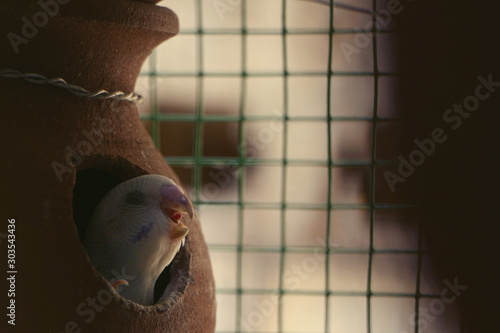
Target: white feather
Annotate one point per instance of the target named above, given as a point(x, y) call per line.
point(132, 238)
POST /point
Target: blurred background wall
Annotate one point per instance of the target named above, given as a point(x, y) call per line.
point(450, 67)
point(282, 121)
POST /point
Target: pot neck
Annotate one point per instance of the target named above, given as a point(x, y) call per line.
point(91, 43)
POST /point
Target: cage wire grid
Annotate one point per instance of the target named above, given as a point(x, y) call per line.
point(198, 161)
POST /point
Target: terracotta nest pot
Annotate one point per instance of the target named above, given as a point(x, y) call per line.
point(62, 153)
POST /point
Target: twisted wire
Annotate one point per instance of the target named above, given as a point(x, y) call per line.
point(75, 90)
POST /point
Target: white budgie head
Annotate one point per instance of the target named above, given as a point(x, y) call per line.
point(137, 228)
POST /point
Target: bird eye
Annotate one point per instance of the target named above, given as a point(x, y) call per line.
point(135, 198)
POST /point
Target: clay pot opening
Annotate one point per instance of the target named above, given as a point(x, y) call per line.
point(93, 181)
point(90, 187)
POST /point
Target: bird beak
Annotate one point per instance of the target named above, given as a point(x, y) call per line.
point(178, 231)
point(174, 203)
point(174, 200)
